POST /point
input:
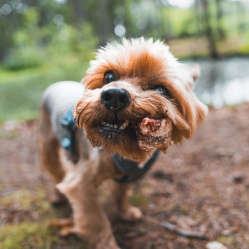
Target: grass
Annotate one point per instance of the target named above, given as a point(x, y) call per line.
point(138, 199)
point(25, 199)
point(20, 91)
point(26, 223)
point(27, 235)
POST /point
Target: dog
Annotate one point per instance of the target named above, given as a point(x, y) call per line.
point(127, 82)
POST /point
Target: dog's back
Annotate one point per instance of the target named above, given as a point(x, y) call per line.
point(56, 101)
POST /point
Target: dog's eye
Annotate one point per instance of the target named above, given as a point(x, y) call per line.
point(162, 90)
point(109, 77)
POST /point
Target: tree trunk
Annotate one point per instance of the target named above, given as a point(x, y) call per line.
point(208, 30)
point(219, 15)
point(198, 19)
point(79, 11)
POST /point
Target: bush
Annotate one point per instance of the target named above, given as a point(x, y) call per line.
point(25, 57)
point(244, 49)
point(79, 40)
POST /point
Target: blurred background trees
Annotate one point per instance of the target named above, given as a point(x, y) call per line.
point(49, 40)
point(29, 28)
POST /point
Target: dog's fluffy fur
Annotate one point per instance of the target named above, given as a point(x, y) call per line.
point(140, 67)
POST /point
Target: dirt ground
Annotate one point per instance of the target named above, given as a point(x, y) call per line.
point(201, 185)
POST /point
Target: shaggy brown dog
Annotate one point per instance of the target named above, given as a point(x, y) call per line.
point(127, 82)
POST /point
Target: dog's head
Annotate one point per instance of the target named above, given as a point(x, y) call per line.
point(129, 81)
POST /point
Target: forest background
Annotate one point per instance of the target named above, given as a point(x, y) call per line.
point(50, 40)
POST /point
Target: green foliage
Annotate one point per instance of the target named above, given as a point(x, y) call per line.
point(34, 45)
point(69, 39)
point(184, 22)
point(244, 49)
point(26, 53)
point(24, 57)
point(41, 56)
point(82, 39)
point(20, 92)
point(30, 20)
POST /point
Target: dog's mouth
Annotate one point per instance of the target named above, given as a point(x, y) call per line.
point(116, 127)
point(120, 127)
point(149, 133)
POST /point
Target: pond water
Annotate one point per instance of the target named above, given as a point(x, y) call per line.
point(222, 82)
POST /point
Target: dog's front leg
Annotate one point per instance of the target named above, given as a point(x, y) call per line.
point(81, 188)
point(121, 195)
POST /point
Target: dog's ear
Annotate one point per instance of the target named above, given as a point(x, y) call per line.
point(193, 112)
point(194, 73)
point(197, 111)
point(201, 109)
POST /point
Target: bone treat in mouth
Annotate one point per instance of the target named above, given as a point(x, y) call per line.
point(154, 134)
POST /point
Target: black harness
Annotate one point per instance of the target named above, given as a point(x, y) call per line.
point(132, 170)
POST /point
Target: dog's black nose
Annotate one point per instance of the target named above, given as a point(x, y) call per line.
point(115, 98)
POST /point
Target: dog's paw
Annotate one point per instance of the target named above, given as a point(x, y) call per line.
point(104, 240)
point(66, 231)
point(131, 214)
point(111, 244)
point(66, 225)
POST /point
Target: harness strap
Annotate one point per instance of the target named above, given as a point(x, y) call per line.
point(131, 169)
point(69, 126)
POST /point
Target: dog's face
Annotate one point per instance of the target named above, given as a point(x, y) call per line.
point(132, 80)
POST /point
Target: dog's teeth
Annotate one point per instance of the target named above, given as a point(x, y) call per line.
point(124, 125)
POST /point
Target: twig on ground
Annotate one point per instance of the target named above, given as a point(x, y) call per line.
point(180, 231)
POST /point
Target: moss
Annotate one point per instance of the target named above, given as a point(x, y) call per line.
point(32, 230)
point(27, 235)
point(139, 199)
point(231, 241)
point(183, 208)
point(34, 201)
